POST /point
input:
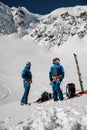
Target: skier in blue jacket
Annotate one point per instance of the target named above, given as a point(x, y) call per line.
point(56, 75)
point(27, 80)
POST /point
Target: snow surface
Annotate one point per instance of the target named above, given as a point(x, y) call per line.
point(69, 114)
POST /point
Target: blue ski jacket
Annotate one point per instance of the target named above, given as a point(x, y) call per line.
point(56, 70)
point(26, 73)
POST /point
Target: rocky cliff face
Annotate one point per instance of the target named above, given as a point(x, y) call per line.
point(18, 20)
point(57, 27)
point(7, 24)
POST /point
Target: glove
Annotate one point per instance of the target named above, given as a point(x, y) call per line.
point(51, 79)
point(54, 79)
point(30, 81)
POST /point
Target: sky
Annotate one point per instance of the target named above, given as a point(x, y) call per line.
point(43, 6)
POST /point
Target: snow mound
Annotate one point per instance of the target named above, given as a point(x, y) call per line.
point(57, 116)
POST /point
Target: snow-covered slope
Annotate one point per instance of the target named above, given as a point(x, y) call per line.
point(70, 114)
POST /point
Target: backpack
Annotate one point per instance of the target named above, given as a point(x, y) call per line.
point(70, 90)
point(44, 94)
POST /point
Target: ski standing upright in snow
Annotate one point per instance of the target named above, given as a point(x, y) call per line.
point(79, 74)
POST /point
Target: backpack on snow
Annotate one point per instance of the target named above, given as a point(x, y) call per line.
point(70, 90)
point(44, 97)
point(44, 94)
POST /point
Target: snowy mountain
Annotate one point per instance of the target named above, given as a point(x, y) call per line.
point(50, 30)
point(7, 25)
point(66, 27)
point(16, 20)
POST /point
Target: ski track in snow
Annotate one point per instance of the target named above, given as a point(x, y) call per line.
point(5, 85)
point(5, 89)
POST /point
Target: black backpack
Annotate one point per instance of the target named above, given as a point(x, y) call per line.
point(45, 96)
point(70, 90)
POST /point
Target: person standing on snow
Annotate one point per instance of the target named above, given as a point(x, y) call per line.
point(56, 75)
point(27, 80)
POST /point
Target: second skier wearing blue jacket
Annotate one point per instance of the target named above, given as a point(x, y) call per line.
point(56, 75)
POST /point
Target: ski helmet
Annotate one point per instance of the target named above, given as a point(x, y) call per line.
point(28, 64)
point(56, 60)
